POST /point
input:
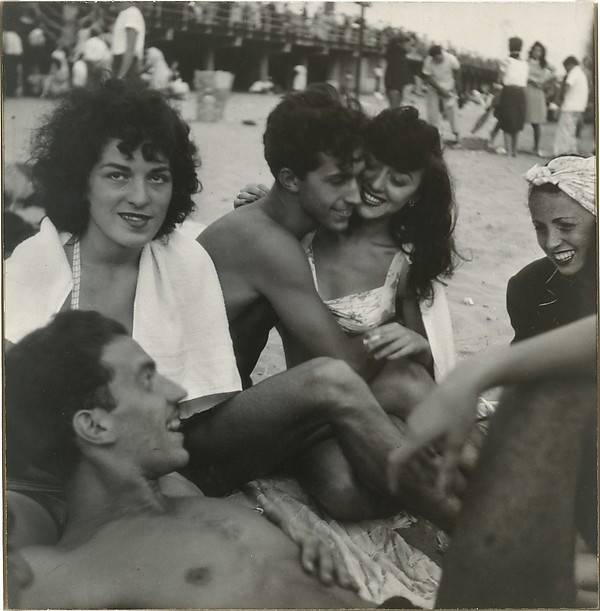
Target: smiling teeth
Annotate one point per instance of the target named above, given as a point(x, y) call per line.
point(344, 212)
point(134, 217)
point(564, 256)
point(370, 199)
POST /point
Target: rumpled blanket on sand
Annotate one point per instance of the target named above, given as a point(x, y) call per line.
point(377, 556)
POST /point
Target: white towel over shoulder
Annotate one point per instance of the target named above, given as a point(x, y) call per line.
point(179, 313)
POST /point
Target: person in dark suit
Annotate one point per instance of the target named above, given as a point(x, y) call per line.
point(398, 73)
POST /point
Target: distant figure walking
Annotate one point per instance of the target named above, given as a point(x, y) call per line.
point(441, 72)
point(535, 95)
point(575, 92)
point(398, 74)
point(129, 34)
point(512, 106)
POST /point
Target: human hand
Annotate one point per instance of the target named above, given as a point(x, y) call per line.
point(586, 581)
point(249, 194)
point(445, 417)
point(319, 555)
point(393, 341)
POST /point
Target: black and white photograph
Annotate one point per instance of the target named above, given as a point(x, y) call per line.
point(300, 304)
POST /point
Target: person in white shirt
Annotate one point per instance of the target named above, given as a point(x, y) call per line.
point(441, 72)
point(129, 33)
point(512, 104)
point(574, 102)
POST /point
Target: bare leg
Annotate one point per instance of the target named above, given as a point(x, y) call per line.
point(515, 140)
point(259, 429)
point(507, 142)
point(328, 477)
point(536, 137)
point(513, 546)
point(400, 385)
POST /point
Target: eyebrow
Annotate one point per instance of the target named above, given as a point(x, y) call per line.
point(118, 166)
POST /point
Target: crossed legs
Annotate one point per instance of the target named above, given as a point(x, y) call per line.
point(260, 429)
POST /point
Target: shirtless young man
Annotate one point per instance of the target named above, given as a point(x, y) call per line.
point(313, 147)
point(110, 430)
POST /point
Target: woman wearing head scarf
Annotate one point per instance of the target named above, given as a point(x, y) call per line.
point(561, 287)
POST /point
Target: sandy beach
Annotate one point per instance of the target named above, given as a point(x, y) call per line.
point(493, 232)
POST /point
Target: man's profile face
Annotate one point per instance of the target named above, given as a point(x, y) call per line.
point(146, 415)
point(329, 193)
point(437, 59)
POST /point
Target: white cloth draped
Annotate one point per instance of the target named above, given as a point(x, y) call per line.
point(179, 313)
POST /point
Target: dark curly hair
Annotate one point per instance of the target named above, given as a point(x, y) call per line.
point(69, 144)
point(310, 122)
point(51, 374)
point(542, 59)
point(398, 138)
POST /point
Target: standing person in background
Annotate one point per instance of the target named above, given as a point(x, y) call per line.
point(441, 72)
point(36, 60)
point(511, 107)
point(574, 102)
point(59, 79)
point(398, 73)
point(129, 33)
point(535, 95)
point(13, 62)
point(299, 83)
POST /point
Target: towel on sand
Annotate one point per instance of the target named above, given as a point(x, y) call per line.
point(377, 556)
point(179, 314)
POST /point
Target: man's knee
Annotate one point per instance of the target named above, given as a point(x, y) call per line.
point(333, 381)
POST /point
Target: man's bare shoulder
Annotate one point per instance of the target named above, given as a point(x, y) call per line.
point(248, 234)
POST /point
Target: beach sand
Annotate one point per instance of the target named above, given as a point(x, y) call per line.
point(493, 232)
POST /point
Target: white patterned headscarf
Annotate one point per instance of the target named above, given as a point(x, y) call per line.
point(575, 176)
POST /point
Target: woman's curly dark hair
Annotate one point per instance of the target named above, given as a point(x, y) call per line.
point(69, 144)
point(398, 138)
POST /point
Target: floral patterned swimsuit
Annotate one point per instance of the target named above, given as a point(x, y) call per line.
point(360, 312)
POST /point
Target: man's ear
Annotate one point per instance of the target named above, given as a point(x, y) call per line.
point(95, 426)
point(288, 180)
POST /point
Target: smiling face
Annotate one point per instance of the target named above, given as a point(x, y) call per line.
point(329, 194)
point(384, 190)
point(128, 195)
point(146, 415)
point(565, 230)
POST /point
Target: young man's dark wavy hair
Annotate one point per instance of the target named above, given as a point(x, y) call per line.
point(69, 144)
point(306, 123)
point(398, 138)
point(51, 374)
